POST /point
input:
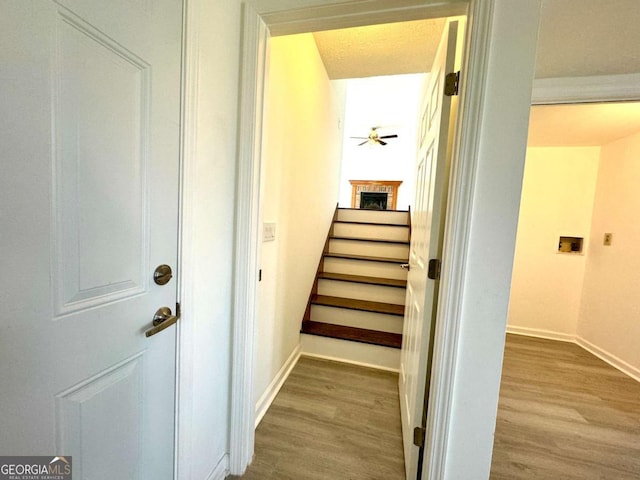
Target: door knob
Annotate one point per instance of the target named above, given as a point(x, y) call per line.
point(162, 319)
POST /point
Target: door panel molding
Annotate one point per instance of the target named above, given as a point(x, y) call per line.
point(95, 397)
point(95, 264)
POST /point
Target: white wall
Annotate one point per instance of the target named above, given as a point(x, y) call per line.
point(610, 302)
point(488, 250)
point(557, 199)
point(212, 192)
point(300, 190)
point(392, 102)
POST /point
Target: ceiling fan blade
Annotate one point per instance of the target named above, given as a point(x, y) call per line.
point(381, 142)
point(389, 136)
point(360, 144)
point(360, 137)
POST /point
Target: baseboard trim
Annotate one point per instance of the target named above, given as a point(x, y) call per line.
point(603, 355)
point(540, 333)
point(612, 360)
point(221, 470)
point(354, 353)
point(274, 387)
point(350, 362)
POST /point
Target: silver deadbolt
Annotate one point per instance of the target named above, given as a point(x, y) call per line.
point(162, 274)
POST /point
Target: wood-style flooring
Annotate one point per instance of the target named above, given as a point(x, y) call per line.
point(563, 415)
point(331, 421)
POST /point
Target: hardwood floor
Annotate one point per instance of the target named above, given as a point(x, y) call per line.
point(331, 421)
point(564, 414)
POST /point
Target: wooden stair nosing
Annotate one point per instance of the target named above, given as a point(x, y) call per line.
point(343, 277)
point(367, 210)
point(376, 240)
point(404, 225)
point(354, 334)
point(366, 258)
point(363, 305)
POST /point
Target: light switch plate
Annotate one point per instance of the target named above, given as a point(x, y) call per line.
point(268, 231)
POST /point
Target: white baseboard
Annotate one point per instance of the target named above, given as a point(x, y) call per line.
point(221, 470)
point(540, 333)
point(362, 354)
point(612, 360)
point(274, 387)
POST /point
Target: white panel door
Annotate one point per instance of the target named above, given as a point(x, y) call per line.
point(89, 135)
point(432, 166)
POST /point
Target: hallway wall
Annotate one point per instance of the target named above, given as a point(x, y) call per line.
point(610, 305)
point(301, 173)
point(390, 102)
point(557, 199)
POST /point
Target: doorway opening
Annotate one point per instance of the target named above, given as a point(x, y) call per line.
point(579, 186)
point(299, 196)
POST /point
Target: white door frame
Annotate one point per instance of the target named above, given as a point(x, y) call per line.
point(186, 259)
point(478, 82)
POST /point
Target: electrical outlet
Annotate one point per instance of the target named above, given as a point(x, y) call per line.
point(607, 239)
point(268, 232)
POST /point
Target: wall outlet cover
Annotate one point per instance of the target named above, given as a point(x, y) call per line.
point(268, 231)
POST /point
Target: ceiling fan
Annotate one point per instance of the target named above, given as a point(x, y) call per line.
point(374, 137)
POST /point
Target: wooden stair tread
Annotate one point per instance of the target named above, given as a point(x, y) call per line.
point(373, 223)
point(343, 277)
point(362, 335)
point(366, 258)
point(353, 304)
point(376, 240)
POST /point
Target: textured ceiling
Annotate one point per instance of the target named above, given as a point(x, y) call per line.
point(588, 37)
point(583, 124)
point(577, 38)
point(389, 49)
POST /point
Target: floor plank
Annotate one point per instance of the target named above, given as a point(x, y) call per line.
point(331, 421)
point(564, 414)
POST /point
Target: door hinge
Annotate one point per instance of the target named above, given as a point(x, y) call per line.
point(178, 310)
point(419, 434)
point(451, 83)
point(433, 272)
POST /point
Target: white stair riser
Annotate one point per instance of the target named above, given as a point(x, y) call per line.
point(380, 232)
point(368, 269)
point(375, 216)
point(373, 249)
point(352, 352)
point(361, 291)
point(357, 318)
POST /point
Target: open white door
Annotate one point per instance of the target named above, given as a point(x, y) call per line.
point(432, 177)
point(89, 128)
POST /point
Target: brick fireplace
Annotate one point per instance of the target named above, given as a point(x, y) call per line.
point(377, 187)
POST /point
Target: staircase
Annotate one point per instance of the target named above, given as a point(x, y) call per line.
point(359, 291)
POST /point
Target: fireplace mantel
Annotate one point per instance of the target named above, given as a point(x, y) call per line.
point(384, 186)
